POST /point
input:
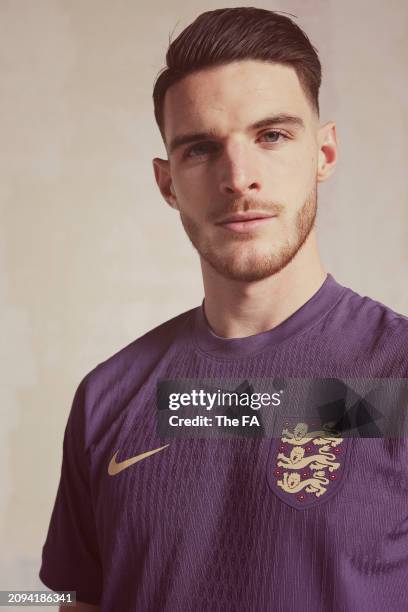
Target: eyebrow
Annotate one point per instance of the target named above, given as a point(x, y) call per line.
point(279, 119)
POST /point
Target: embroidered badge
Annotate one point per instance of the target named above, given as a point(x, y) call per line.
point(307, 463)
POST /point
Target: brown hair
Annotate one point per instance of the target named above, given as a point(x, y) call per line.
point(226, 35)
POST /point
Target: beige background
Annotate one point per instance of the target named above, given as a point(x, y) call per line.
point(90, 256)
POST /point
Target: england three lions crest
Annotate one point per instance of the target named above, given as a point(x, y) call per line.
point(307, 463)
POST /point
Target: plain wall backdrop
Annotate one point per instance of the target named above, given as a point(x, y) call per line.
point(91, 257)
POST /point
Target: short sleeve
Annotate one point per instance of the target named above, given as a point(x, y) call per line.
point(70, 555)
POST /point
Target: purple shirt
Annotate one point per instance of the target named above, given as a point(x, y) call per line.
point(199, 524)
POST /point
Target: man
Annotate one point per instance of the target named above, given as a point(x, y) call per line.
point(148, 522)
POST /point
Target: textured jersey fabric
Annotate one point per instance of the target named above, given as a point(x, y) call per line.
point(197, 526)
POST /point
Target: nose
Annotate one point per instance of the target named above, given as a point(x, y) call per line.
point(239, 174)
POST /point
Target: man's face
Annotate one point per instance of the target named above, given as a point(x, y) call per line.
point(232, 159)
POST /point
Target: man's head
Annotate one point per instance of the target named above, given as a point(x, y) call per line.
point(238, 110)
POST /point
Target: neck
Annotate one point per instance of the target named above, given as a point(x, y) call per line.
point(236, 309)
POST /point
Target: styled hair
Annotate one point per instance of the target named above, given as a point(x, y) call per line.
point(227, 35)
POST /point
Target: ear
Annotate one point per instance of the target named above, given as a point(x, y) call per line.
point(162, 174)
point(327, 156)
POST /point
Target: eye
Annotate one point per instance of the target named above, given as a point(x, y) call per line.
point(199, 150)
point(272, 136)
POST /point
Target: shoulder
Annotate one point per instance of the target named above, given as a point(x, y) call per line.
point(374, 329)
point(375, 316)
point(110, 387)
point(149, 347)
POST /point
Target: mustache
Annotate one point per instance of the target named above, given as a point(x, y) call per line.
point(247, 205)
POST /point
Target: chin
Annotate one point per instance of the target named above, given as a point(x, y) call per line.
point(248, 269)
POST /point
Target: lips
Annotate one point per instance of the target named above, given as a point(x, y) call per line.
point(243, 222)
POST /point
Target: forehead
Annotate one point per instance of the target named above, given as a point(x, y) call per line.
point(232, 96)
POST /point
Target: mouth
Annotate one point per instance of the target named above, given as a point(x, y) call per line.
point(245, 222)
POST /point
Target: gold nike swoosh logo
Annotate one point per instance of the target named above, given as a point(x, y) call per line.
point(115, 468)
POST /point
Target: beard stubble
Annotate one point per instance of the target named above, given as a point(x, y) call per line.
point(251, 266)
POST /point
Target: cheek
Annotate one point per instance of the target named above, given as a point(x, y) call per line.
point(291, 173)
point(302, 163)
point(300, 176)
point(185, 180)
point(194, 190)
